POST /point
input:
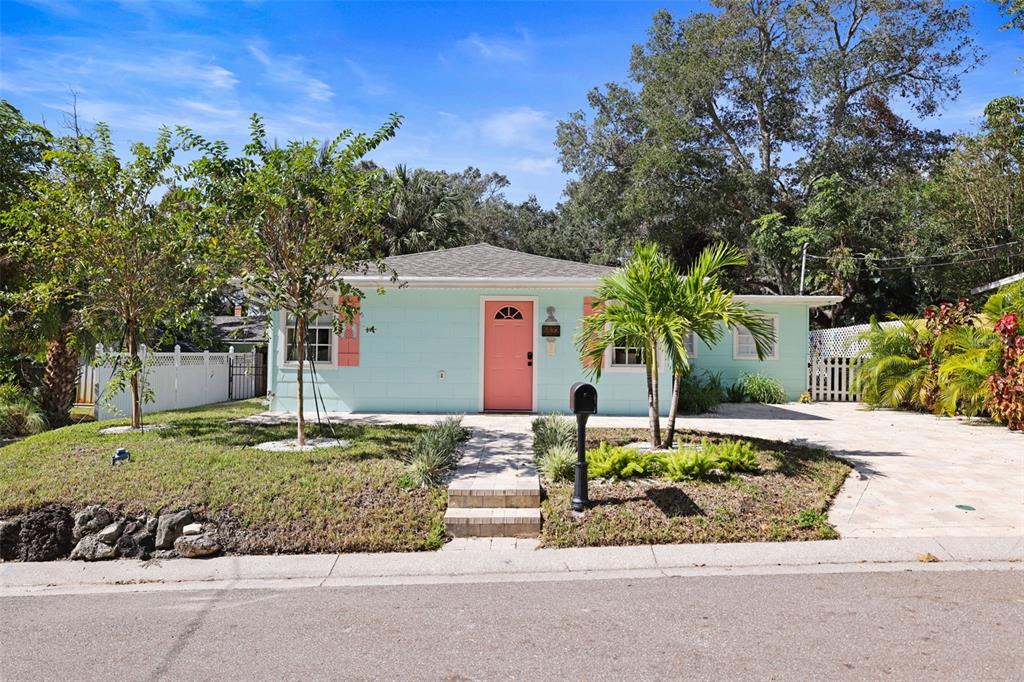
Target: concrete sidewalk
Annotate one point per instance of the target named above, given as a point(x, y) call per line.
point(330, 570)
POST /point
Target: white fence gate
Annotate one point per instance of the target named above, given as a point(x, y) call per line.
point(177, 380)
point(832, 364)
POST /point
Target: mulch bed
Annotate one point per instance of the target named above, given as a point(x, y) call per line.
point(787, 499)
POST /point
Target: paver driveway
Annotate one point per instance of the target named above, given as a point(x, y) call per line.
point(911, 470)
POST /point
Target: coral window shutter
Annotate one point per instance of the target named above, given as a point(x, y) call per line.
point(348, 342)
point(588, 309)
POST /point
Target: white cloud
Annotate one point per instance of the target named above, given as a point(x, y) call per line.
point(498, 49)
point(521, 127)
point(371, 85)
point(289, 71)
point(536, 165)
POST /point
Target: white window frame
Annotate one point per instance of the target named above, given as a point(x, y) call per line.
point(694, 341)
point(611, 364)
point(332, 343)
point(609, 356)
point(775, 346)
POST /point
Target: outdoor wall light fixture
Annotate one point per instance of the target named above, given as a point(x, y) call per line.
point(550, 329)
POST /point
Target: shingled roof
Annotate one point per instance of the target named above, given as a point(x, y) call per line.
point(485, 262)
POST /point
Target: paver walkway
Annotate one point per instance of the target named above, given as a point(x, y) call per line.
point(911, 470)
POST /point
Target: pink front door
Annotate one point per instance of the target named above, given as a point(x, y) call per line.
point(508, 355)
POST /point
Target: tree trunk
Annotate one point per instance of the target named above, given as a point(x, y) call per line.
point(300, 353)
point(60, 377)
point(133, 359)
point(653, 409)
point(673, 409)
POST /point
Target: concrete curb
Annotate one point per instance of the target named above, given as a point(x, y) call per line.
point(330, 570)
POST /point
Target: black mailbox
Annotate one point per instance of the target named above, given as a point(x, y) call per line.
point(583, 398)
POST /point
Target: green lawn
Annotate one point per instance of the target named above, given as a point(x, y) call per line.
point(787, 499)
point(329, 500)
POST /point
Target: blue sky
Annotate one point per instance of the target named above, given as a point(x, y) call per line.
point(478, 84)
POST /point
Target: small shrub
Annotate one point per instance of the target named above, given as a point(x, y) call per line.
point(805, 398)
point(550, 431)
point(735, 393)
point(763, 389)
point(435, 452)
point(621, 462)
point(451, 430)
point(558, 463)
point(699, 394)
point(21, 418)
point(687, 465)
point(810, 518)
point(731, 455)
point(12, 393)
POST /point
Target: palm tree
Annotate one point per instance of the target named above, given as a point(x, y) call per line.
point(425, 213)
point(647, 304)
point(707, 310)
point(891, 370)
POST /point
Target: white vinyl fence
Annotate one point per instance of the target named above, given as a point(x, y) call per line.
point(831, 367)
point(177, 380)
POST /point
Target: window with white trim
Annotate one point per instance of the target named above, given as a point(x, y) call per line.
point(744, 348)
point(690, 343)
point(319, 335)
point(627, 356)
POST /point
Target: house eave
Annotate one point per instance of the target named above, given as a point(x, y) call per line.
point(552, 283)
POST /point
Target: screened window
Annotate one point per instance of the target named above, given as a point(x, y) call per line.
point(744, 348)
point(318, 340)
point(691, 344)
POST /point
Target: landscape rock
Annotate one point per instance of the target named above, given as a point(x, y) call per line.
point(110, 532)
point(137, 540)
point(90, 520)
point(90, 548)
point(9, 531)
point(46, 534)
point(192, 529)
point(170, 526)
point(194, 546)
point(164, 554)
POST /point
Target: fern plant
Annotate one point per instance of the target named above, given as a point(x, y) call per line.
point(688, 464)
point(731, 455)
point(621, 462)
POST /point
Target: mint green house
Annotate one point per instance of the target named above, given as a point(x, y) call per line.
point(480, 328)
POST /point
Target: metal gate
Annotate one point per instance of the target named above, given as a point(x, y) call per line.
point(247, 375)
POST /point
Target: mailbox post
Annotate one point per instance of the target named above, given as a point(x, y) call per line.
point(583, 403)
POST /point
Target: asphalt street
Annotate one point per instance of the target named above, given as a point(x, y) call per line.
point(893, 625)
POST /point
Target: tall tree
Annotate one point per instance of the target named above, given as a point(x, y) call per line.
point(743, 112)
point(297, 218)
point(648, 305)
point(121, 249)
point(425, 213)
point(22, 148)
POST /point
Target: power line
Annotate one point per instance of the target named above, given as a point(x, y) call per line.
point(918, 266)
point(864, 256)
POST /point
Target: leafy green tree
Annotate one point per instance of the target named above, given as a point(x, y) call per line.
point(647, 304)
point(22, 147)
point(120, 248)
point(294, 219)
point(744, 112)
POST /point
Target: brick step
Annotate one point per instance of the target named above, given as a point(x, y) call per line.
point(507, 522)
point(522, 492)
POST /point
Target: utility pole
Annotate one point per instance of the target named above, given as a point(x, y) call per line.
point(803, 268)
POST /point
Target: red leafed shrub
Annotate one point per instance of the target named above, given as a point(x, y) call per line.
point(1007, 385)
